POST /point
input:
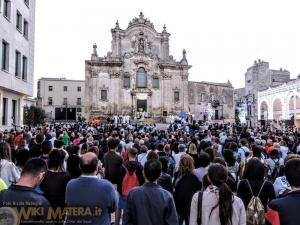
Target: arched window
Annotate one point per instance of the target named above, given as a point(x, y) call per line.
point(141, 78)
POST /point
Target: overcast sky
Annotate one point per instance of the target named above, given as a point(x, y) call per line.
point(222, 38)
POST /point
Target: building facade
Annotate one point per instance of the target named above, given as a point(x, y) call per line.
point(17, 32)
point(257, 78)
point(139, 75)
point(281, 103)
point(61, 99)
point(213, 100)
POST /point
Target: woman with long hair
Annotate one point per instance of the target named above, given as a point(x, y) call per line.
point(219, 206)
point(9, 172)
point(255, 184)
point(186, 185)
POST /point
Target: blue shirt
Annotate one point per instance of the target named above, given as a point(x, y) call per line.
point(97, 197)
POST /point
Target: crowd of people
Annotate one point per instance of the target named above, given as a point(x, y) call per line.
point(81, 173)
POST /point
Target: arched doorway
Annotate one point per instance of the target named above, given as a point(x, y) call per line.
point(294, 106)
point(264, 111)
point(277, 109)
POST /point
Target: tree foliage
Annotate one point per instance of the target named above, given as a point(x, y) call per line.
point(33, 116)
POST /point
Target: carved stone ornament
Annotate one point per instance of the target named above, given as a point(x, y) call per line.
point(185, 77)
point(114, 75)
point(141, 46)
point(167, 76)
point(147, 91)
point(93, 72)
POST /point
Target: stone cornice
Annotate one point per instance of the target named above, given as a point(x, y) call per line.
point(173, 66)
point(104, 62)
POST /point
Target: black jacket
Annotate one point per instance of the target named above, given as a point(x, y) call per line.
point(25, 198)
point(73, 166)
point(285, 210)
point(185, 188)
point(266, 195)
point(165, 181)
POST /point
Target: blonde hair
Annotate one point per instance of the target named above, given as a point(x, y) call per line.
point(186, 165)
point(192, 149)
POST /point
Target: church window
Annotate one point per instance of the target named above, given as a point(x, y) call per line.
point(126, 81)
point(155, 82)
point(176, 96)
point(141, 78)
point(103, 95)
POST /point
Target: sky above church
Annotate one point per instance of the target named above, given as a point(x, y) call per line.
point(222, 38)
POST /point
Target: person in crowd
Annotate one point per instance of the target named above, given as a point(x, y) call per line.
point(177, 157)
point(284, 149)
point(192, 151)
point(204, 162)
point(232, 165)
point(36, 148)
point(99, 194)
point(55, 181)
point(130, 176)
point(9, 172)
point(231, 182)
point(273, 165)
point(170, 158)
point(112, 161)
point(142, 157)
point(66, 138)
point(46, 148)
point(150, 204)
point(242, 150)
point(22, 196)
point(73, 162)
point(218, 205)
point(165, 180)
point(281, 185)
point(186, 184)
point(254, 184)
point(285, 210)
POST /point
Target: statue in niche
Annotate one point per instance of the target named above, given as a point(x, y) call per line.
point(141, 46)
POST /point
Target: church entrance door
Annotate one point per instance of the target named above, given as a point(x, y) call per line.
point(141, 105)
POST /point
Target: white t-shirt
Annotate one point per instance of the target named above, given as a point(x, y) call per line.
point(284, 151)
point(281, 185)
point(177, 158)
point(142, 158)
point(270, 163)
point(241, 152)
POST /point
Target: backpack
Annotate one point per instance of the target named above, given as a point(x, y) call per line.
point(275, 172)
point(255, 210)
point(130, 181)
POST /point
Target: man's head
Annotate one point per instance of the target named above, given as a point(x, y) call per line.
point(181, 148)
point(40, 138)
point(89, 164)
point(33, 172)
point(58, 144)
point(113, 143)
point(292, 172)
point(132, 153)
point(152, 170)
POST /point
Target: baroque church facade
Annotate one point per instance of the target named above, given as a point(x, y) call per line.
point(139, 75)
